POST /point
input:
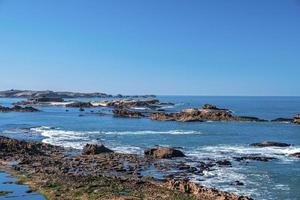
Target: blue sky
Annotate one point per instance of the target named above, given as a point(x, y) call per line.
point(195, 47)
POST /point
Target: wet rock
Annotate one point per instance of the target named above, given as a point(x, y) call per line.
point(127, 113)
point(223, 163)
point(297, 155)
point(202, 192)
point(129, 103)
point(282, 120)
point(270, 144)
point(255, 157)
point(81, 109)
point(163, 152)
point(297, 119)
point(238, 183)
point(18, 109)
point(93, 149)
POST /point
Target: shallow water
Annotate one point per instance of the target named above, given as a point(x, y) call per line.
point(277, 179)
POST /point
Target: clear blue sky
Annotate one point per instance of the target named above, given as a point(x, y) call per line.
point(187, 47)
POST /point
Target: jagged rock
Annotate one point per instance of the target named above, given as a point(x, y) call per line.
point(297, 119)
point(223, 162)
point(79, 104)
point(163, 152)
point(125, 104)
point(93, 149)
point(127, 113)
point(270, 144)
point(202, 192)
point(18, 109)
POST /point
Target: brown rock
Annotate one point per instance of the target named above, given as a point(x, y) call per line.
point(270, 144)
point(297, 154)
point(127, 113)
point(163, 152)
point(297, 119)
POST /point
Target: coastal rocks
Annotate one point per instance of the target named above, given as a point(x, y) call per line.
point(297, 155)
point(206, 113)
point(129, 103)
point(201, 192)
point(297, 119)
point(18, 109)
point(270, 144)
point(163, 153)
point(79, 104)
point(94, 149)
point(255, 158)
point(127, 113)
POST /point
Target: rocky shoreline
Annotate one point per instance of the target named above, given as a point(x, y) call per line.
point(99, 173)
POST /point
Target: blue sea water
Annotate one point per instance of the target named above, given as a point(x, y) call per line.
point(277, 179)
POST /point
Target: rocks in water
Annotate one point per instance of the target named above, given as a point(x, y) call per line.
point(94, 149)
point(297, 155)
point(297, 119)
point(18, 109)
point(270, 144)
point(129, 103)
point(79, 104)
point(223, 163)
point(255, 157)
point(206, 113)
point(282, 120)
point(202, 192)
point(127, 113)
point(238, 183)
point(163, 152)
point(81, 109)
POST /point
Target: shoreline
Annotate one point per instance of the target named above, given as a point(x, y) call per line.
point(48, 170)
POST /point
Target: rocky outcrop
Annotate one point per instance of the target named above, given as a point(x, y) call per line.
point(270, 144)
point(18, 109)
point(163, 153)
point(127, 113)
point(125, 104)
point(79, 104)
point(297, 119)
point(206, 113)
point(94, 149)
point(202, 192)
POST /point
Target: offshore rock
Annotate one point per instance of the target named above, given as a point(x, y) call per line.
point(282, 120)
point(79, 104)
point(18, 109)
point(297, 119)
point(270, 144)
point(206, 113)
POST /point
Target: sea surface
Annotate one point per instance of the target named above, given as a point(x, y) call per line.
point(277, 179)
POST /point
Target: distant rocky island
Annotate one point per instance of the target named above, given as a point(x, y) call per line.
point(52, 94)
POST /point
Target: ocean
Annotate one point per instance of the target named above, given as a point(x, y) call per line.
point(275, 179)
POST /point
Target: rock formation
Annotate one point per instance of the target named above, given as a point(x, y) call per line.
point(163, 152)
point(18, 109)
point(297, 119)
point(127, 113)
point(94, 149)
point(206, 113)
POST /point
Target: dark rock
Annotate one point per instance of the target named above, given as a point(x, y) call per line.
point(297, 155)
point(254, 157)
point(282, 120)
point(93, 149)
point(81, 109)
point(223, 163)
point(270, 144)
point(163, 152)
point(127, 113)
point(18, 109)
point(238, 183)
